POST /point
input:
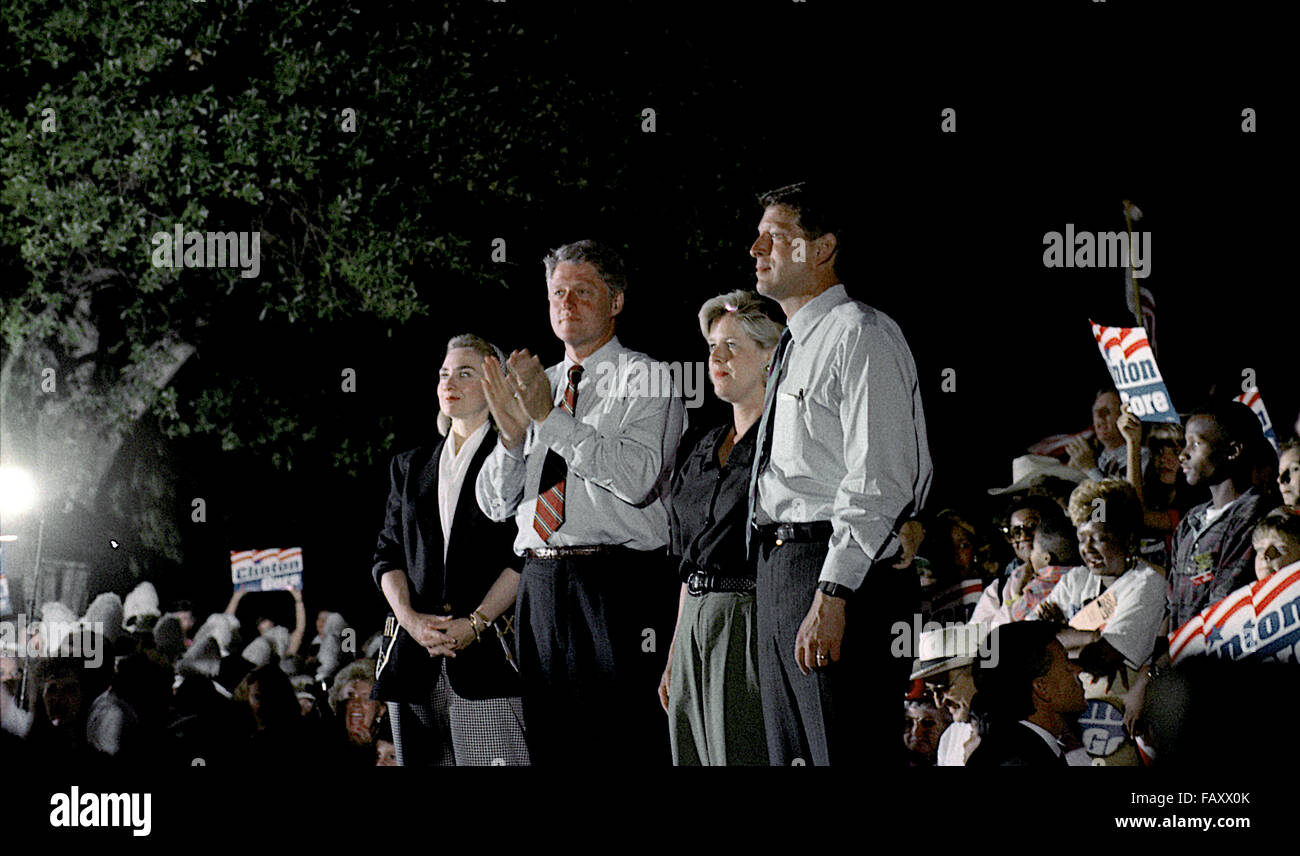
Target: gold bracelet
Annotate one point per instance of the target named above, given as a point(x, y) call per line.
point(473, 624)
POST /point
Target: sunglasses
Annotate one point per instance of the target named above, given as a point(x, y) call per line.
point(1017, 532)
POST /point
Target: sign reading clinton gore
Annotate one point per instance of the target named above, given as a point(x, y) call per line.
point(1259, 621)
point(272, 569)
point(1133, 368)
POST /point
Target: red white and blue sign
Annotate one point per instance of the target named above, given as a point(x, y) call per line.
point(272, 569)
point(1251, 399)
point(1102, 726)
point(1260, 621)
point(1132, 366)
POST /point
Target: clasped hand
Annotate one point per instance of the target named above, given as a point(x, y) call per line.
point(440, 635)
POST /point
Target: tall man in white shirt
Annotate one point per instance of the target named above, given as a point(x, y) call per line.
point(585, 455)
point(843, 461)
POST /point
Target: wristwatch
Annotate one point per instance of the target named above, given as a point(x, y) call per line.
point(835, 590)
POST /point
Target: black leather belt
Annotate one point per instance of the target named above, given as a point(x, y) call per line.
point(699, 583)
point(566, 552)
point(779, 533)
point(700, 580)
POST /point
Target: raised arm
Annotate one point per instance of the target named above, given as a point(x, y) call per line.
point(299, 624)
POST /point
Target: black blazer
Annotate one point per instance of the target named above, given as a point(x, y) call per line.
point(411, 541)
point(1010, 744)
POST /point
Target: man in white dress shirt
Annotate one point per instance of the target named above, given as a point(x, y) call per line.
point(843, 462)
point(585, 455)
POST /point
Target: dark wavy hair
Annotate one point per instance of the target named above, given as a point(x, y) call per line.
point(1004, 693)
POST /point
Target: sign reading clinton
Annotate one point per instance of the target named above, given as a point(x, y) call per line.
point(267, 570)
point(1259, 621)
point(1133, 367)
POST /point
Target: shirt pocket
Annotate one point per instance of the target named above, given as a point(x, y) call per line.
point(788, 430)
point(805, 431)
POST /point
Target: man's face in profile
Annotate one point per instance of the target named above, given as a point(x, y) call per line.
point(778, 275)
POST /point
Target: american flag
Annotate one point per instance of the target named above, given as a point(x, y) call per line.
point(1147, 310)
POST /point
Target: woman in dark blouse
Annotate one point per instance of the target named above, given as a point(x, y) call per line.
point(710, 686)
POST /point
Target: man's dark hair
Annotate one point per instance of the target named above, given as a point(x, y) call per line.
point(1005, 691)
point(817, 211)
point(1237, 423)
point(604, 258)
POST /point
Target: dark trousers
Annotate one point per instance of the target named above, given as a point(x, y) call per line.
point(848, 713)
point(593, 637)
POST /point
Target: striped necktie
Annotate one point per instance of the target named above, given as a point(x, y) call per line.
point(764, 452)
point(550, 500)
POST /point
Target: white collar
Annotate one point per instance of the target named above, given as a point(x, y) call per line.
point(1046, 735)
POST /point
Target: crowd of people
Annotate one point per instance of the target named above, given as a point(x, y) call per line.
point(574, 579)
point(127, 684)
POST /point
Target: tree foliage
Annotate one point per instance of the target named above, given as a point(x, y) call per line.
point(229, 115)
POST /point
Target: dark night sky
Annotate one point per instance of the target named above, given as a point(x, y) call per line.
point(948, 239)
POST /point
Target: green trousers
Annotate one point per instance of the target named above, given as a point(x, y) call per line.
point(715, 711)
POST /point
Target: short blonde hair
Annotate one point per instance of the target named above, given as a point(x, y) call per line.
point(1121, 510)
point(750, 309)
point(484, 347)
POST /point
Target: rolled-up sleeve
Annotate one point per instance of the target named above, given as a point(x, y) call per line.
point(887, 459)
point(500, 484)
point(389, 553)
point(629, 462)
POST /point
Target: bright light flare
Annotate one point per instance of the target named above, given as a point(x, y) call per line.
point(17, 491)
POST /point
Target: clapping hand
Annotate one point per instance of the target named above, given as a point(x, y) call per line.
point(1081, 456)
point(507, 412)
point(532, 386)
point(1051, 613)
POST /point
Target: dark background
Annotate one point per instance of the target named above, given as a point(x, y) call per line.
point(947, 237)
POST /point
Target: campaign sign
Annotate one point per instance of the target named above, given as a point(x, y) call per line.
point(1251, 399)
point(1188, 640)
point(1102, 725)
point(1133, 367)
point(1259, 621)
point(1277, 615)
point(272, 569)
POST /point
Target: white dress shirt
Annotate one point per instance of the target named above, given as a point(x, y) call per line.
point(1048, 737)
point(849, 442)
point(619, 446)
point(452, 466)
